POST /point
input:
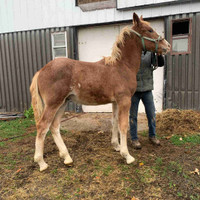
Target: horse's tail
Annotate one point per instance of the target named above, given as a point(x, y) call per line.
point(37, 102)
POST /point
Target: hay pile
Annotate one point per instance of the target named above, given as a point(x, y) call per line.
point(181, 122)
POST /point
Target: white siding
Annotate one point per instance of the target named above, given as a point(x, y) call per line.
point(19, 15)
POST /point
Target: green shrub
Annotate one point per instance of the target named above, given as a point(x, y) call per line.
point(29, 113)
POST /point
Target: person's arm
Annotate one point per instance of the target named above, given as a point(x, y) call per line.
point(157, 61)
point(161, 60)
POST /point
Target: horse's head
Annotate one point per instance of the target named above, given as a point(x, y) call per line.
point(151, 41)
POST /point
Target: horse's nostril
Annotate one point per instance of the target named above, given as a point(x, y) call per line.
point(164, 50)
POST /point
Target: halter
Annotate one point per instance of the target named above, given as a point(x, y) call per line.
point(147, 38)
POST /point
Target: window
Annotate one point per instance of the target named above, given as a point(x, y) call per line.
point(181, 36)
point(59, 44)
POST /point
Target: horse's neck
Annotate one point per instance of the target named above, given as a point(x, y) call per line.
point(131, 54)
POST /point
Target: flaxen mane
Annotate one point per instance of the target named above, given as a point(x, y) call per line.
point(116, 51)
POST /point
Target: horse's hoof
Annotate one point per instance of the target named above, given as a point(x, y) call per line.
point(43, 167)
point(130, 160)
point(68, 161)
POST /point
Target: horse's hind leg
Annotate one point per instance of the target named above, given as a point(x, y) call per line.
point(55, 130)
point(115, 133)
point(42, 129)
point(123, 111)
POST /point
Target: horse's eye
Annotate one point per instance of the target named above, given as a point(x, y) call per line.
point(150, 30)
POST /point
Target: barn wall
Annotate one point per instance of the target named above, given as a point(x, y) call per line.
point(22, 15)
point(183, 71)
point(21, 55)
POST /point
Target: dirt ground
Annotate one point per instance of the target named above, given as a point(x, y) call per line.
point(166, 172)
point(96, 122)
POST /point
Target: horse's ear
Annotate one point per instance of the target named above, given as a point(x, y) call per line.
point(136, 20)
point(141, 17)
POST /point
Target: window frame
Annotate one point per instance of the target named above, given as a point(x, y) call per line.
point(61, 46)
point(182, 36)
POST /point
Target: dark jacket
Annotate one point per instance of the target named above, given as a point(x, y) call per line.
point(149, 62)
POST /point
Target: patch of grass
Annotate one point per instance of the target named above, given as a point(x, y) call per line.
point(160, 167)
point(146, 174)
point(97, 164)
point(171, 184)
point(144, 133)
point(78, 192)
point(179, 194)
point(8, 161)
point(195, 197)
point(62, 131)
point(18, 127)
point(178, 140)
point(2, 144)
point(175, 167)
point(70, 172)
point(54, 171)
point(107, 170)
point(14, 127)
point(125, 167)
point(128, 191)
point(159, 162)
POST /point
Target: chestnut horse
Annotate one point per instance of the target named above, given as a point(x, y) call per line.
point(110, 80)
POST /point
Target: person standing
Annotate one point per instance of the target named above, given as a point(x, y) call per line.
point(149, 62)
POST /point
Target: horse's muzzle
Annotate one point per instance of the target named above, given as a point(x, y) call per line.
point(167, 49)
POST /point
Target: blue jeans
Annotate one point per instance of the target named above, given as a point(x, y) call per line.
point(147, 99)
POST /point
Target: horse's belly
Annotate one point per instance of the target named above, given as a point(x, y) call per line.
point(90, 99)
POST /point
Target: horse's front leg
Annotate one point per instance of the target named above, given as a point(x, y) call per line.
point(115, 132)
point(123, 112)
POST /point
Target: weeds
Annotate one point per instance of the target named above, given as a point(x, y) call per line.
point(144, 133)
point(195, 197)
point(179, 194)
point(178, 140)
point(29, 113)
point(172, 185)
point(128, 191)
point(153, 177)
point(107, 170)
point(175, 167)
point(14, 128)
point(159, 162)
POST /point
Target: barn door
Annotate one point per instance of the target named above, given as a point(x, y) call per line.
point(182, 70)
